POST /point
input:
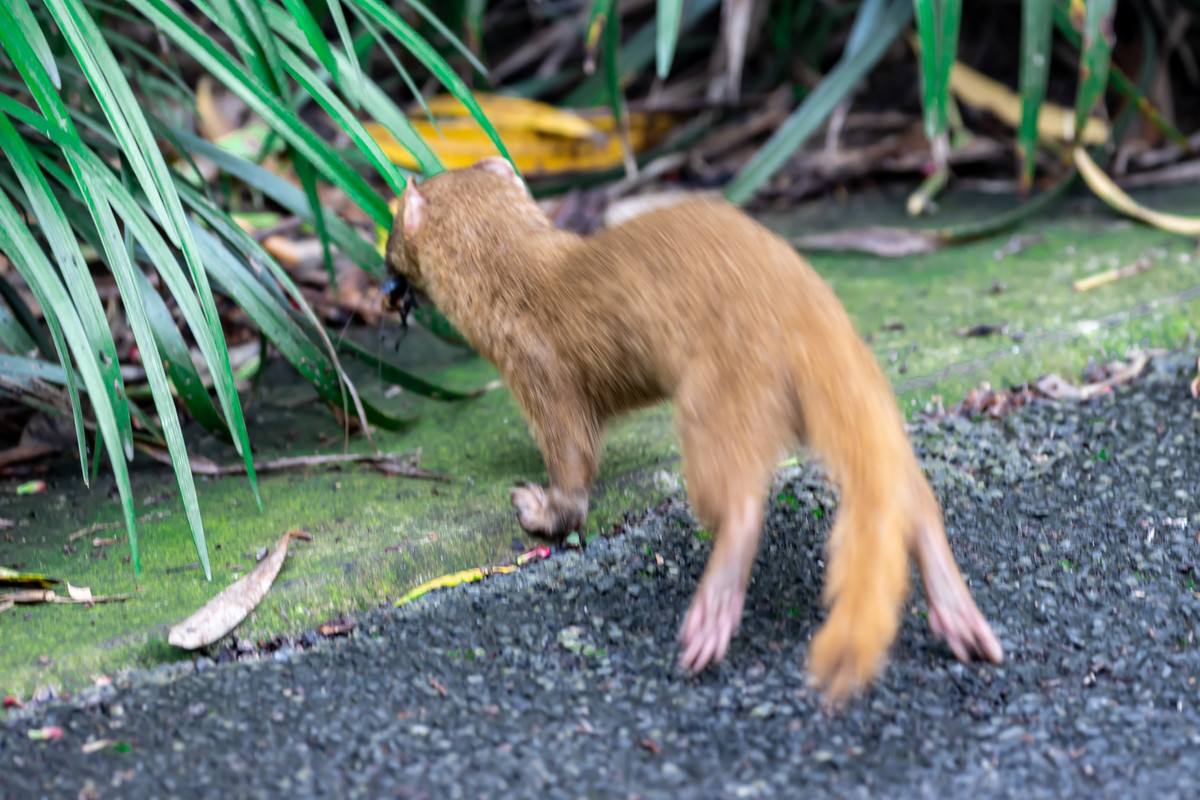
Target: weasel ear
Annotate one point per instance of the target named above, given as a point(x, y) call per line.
point(500, 166)
point(414, 210)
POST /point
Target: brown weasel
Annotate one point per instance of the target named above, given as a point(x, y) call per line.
point(699, 304)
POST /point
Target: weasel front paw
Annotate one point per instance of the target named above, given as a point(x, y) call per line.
point(533, 509)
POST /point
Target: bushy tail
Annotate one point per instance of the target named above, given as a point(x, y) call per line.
point(850, 418)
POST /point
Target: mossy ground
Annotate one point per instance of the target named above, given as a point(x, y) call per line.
point(377, 536)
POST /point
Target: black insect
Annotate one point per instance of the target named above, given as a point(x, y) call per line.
point(398, 296)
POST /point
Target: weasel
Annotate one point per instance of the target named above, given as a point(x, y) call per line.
point(696, 303)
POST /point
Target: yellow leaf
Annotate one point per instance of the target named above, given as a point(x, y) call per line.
point(1112, 194)
point(1055, 123)
point(515, 113)
point(541, 139)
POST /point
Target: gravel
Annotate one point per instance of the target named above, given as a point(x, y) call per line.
point(1076, 526)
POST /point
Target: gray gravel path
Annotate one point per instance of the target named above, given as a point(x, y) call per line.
point(1076, 525)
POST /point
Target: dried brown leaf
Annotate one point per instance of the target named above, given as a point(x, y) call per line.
point(224, 612)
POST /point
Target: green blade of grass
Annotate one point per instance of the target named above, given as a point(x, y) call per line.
point(178, 361)
point(1036, 20)
point(1095, 60)
point(432, 61)
point(819, 104)
point(669, 14)
point(371, 33)
point(261, 52)
point(40, 86)
point(132, 132)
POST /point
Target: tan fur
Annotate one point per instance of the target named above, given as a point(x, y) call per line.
point(699, 304)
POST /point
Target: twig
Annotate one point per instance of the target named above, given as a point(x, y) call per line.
point(1112, 275)
point(402, 464)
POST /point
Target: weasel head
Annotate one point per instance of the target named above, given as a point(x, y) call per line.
point(454, 224)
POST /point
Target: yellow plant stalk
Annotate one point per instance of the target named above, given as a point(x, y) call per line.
point(1055, 123)
point(1115, 197)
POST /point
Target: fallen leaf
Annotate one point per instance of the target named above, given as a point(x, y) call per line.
point(650, 745)
point(472, 575)
point(337, 628)
point(10, 577)
point(82, 594)
point(31, 487)
point(224, 612)
point(874, 240)
point(98, 542)
point(12, 702)
point(438, 686)
point(540, 139)
point(96, 745)
point(48, 733)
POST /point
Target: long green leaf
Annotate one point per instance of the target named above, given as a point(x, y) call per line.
point(116, 99)
point(401, 377)
point(317, 41)
point(669, 14)
point(1036, 19)
point(25, 318)
point(937, 26)
point(28, 25)
point(451, 39)
point(353, 76)
point(373, 99)
point(345, 119)
point(132, 131)
point(32, 368)
point(1121, 84)
point(66, 252)
point(1095, 60)
point(819, 104)
point(66, 328)
point(356, 248)
point(226, 70)
point(13, 336)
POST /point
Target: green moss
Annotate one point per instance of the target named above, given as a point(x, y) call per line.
point(376, 536)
